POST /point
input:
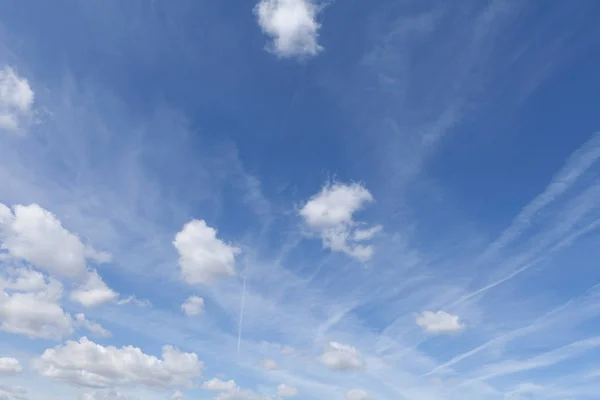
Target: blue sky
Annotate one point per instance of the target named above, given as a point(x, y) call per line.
point(342, 200)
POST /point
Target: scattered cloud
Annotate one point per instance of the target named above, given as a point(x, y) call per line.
point(439, 322)
point(87, 364)
point(193, 306)
point(286, 391)
point(112, 395)
point(13, 393)
point(358, 394)
point(82, 322)
point(94, 292)
point(202, 256)
point(229, 390)
point(330, 213)
point(341, 357)
point(134, 300)
point(16, 100)
point(178, 396)
point(10, 366)
point(292, 26)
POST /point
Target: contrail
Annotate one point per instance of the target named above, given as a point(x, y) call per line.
point(241, 316)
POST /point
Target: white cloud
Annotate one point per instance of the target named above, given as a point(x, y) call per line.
point(286, 391)
point(193, 306)
point(10, 366)
point(291, 24)
point(439, 322)
point(82, 322)
point(202, 256)
point(112, 395)
point(269, 365)
point(134, 300)
point(229, 390)
point(341, 357)
point(16, 100)
point(330, 213)
point(13, 393)
point(93, 292)
point(29, 305)
point(85, 363)
point(178, 396)
point(357, 394)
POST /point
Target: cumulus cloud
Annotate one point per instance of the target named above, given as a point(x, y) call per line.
point(229, 390)
point(16, 100)
point(358, 394)
point(341, 357)
point(112, 395)
point(93, 292)
point(30, 305)
point(439, 322)
point(87, 364)
point(34, 234)
point(202, 256)
point(82, 322)
point(330, 213)
point(286, 391)
point(292, 26)
point(193, 306)
point(177, 396)
point(269, 365)
point(10, 366)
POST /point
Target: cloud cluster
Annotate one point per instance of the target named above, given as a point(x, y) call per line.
point(229, 390)
point(330, 213)
point(292, 26)
point(340, 357)
point(202, 256)
point(439, 322)
point(193, 306)
point(16, 100)
point(13, 393)
point(85, 363)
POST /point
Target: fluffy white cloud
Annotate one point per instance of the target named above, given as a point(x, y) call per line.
point(112, 395)
point(177, 396)
point(16, 100)
point(341, 357)
point(202, 256)
point(85, 363)
point(12, 393)
point(330, 213)
point(292, 25)
point(10, 366)
point(194, 305)
point(286, 391)
point(357, 394)
point(439, 322)
point(269, 365)
point(229, 390)
point(37, 236)
point(93, 292)
point(82, 322)
point(29, 305)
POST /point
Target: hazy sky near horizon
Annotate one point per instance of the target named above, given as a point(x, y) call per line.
point(303, 199)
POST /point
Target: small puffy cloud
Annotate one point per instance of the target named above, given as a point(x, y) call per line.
point(16, 100)
point(178, 396)
point(34, 234)
point(330, 213)
point(10, 366)
point(87, 364)
point(82, 322)
point(341, 357)
point(202, 256)
point(229, 390)
point(292, 26)
point(193, 306)
point(112, 395)
point(269, 365)
point(358, 394)
point(286, 391)
point(439, 322)
point(30, 305)
point(93, 292)
point(13, 393)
